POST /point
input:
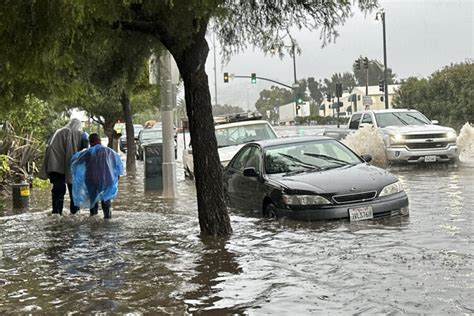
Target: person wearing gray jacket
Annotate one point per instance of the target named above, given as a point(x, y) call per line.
point(57, 162)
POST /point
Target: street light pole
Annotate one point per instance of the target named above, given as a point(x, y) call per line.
point(294, 61)
point(385, 72)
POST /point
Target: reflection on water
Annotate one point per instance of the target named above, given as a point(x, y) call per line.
point(149, 259)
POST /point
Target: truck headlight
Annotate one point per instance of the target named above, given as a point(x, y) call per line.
point(392, 189)
point(451, 134)
point(396, 138)
point(305, 200)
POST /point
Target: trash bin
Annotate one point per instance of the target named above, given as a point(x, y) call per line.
point(153, 159)
point(21, 195)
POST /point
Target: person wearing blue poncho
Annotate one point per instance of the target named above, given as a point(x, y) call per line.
point(95, 173)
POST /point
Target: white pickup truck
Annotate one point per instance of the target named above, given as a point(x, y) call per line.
point(408, 135)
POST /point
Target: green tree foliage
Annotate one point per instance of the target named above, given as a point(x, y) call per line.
point(347, 79)
point(226, 109)
point(269, 99)
point(316, 90)
point(376, 73)
point(34, 117)
point(447, 95)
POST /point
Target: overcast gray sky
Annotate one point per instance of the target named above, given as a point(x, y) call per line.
point(422, 37)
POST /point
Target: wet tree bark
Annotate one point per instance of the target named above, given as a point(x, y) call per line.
point(213, 216)
point(131, 148)
point(112, 136)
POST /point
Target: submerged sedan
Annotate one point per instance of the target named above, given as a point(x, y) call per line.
point(311, 178)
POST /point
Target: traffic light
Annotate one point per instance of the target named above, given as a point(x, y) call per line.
point(226, 77)
point(366, 63)
point(299, 99)
point(328, 97)
point(253, 78)
point(382, 85)
point(339, 90)
point(357, 63)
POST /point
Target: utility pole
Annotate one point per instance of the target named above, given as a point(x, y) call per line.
point(169, 164)
point(385, 73)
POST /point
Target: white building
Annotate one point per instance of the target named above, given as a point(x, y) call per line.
point(353, 102)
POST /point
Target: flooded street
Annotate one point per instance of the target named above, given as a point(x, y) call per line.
point(149, 259)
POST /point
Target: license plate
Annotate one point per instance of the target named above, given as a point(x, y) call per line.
point(430, 158)
point(360, 213)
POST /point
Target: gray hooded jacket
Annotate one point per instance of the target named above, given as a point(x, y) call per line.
point(64, 143)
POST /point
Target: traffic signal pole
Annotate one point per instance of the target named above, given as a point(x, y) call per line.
point(385, 72)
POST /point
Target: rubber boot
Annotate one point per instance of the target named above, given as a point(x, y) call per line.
point(94, 210)
point(58, 202)
point(107, 209)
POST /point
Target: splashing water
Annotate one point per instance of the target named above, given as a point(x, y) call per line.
point(465, 143)
point(368, 141)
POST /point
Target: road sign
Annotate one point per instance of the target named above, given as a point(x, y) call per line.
point(366, 100)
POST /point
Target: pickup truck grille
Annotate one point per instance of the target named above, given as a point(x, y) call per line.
point(424, 136)
point(432, 145)
point(356, 197)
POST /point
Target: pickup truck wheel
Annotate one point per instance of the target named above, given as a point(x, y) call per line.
point(270, 211)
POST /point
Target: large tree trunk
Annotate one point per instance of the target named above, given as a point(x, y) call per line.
point(213, 217)
point(131, 148)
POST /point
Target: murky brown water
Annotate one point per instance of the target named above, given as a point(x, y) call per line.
point(149, 258)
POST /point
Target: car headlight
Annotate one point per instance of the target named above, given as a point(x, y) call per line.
point(396, 138)
point(392, 189)
point(451, 134)
point(305, 200)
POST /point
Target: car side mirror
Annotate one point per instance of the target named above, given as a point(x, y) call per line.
point(250, 172)
point(190, 151)
point(434, 122)
point(366, 157)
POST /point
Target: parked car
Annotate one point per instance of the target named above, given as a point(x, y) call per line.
point(123, 139)
point(151, 135)
point(311, 178)
point(408, 135)
point(230, 138)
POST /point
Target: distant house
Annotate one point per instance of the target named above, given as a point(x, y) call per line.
point(353, 101)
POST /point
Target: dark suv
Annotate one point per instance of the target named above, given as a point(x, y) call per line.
point(151, 135)
point(123, 139)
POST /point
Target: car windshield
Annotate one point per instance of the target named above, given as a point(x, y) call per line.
point(401, 119)
point(237, 135)
point(151, 135)
point(308, 156)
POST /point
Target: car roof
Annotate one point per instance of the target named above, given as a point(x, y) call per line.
point(241, 123)
point(289, 140)
point(147, 130)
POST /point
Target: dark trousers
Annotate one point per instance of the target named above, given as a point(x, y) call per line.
point(105, 207)
point(58, 191)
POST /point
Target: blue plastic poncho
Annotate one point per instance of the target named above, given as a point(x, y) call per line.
point(95, 172)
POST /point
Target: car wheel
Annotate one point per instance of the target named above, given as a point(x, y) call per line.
point(270, 211)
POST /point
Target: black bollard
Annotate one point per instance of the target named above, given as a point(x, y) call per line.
point(21, 195)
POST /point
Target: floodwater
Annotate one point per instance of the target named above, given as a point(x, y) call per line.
point(149, 259)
